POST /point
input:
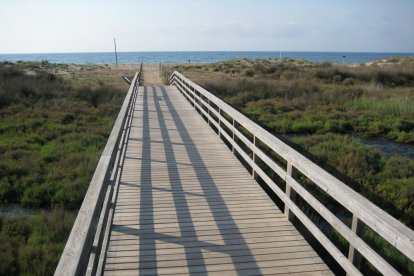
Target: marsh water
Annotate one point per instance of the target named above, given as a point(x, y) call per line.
point(385, 145)
point(388, 147)
point(14, 210)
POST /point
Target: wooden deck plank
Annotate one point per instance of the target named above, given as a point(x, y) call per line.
point(186, 205)
point(189, 232)
point(168, 254)
point(181, 259)
point(172, 217)
point(305, 270)
point(210, 236)
point(206, 267)
point(209, 259)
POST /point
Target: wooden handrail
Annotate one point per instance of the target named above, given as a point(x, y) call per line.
point(82, 250)
point(364, 212)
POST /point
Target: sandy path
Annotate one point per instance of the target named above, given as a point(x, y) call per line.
point(151, 75)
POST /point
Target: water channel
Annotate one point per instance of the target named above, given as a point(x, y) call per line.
point(388, 147)
point(15, 210)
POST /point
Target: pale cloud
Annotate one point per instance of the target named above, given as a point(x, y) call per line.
point(319, 25)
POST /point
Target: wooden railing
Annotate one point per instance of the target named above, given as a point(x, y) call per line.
point(257, 147)
point(85, 250)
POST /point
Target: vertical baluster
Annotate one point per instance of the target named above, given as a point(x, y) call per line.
point(232, 147)
point(193, 94)
point(208, 111)
point(353, 255)
point(254, 157)
point(219, 123)
point(292, 172)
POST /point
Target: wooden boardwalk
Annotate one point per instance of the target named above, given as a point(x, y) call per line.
point(169, 198)
point(186, 205)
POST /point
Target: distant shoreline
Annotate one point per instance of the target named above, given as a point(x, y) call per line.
point(197, 57)
point(146, 52)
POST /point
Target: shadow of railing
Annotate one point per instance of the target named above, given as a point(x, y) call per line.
point(232, 243)
point(218, 207)
point(146, 221)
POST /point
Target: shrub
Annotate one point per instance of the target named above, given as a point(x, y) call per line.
point(249, 73)
point(17, 86)
point(67, 118)
point(98, 96)
point(348, 81)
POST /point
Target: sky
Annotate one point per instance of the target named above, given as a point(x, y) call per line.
point(58, 26)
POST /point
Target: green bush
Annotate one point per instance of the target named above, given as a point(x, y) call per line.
point(32, 246)
point(249, 73)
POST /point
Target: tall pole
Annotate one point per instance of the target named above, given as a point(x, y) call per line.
point(281, 46)
point(116, 56)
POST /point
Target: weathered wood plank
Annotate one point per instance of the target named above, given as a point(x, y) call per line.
point(176, 253)
point(230, 266)
point(210, 236)
point(313, 269)
point(209, 259)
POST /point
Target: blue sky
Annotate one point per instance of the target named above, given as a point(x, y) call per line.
point(47, 26)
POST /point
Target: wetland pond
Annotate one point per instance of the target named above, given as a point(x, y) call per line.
point(16, 210)
point(388, 147)
point(385, 145)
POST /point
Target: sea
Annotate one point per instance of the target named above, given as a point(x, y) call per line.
point(196, 57)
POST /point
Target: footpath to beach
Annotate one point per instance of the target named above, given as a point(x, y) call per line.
point(180, 202)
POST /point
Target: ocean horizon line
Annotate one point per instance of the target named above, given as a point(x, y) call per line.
point(180, 57)
point(210, 51)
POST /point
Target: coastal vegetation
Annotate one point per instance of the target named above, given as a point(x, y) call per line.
point(319, 109)
point(296, 96)
point(55, 120)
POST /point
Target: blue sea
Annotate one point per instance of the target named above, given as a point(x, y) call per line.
point(195, 57)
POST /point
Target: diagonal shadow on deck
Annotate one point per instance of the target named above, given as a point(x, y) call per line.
point(220, 213)
point(187, 206)
point(147, 222)
point(234, 244)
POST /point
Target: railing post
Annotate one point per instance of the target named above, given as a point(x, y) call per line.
point(292, 172)
point(232, 146)
point(219, 123)
point(353, 255)
point(193, 94)
point(254, 158)
point(208, 112)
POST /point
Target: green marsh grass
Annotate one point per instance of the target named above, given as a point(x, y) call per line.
point(397, 105)
point(52, 132)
